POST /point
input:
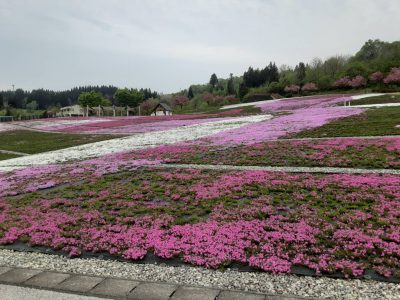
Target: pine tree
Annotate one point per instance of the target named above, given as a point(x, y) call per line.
point(213, 80)
point(230, 89)
point(300, 72)
point(243, 90)
point(190, 93)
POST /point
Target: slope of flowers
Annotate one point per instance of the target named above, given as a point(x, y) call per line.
point(271, 221)
point(6, 127)
point(334, 152)
point(55, 124)
point(293, 115)
point(124, 144)
point(135, 126)
point(121, 124)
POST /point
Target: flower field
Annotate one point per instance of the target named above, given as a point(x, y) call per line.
point(122, 125)
point(334, 152)
point(271, 221)
point(125, 202)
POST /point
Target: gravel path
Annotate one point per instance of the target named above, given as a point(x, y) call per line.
point(138, 141)
point(319, 287)
point(362, 96)
point(336, 137)
point(374, 105)
point(285, 169)
point(355, 97)
point(13, 152)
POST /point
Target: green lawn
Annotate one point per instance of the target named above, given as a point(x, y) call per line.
point(31, 142)
point(374, 122)
point(4, 156)
point(395, 98)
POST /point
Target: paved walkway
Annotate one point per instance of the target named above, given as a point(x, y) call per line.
point(111, 288)
point(285, 169)
point(11, 292)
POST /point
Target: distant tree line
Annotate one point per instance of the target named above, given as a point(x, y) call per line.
point(45, 99)
point(375, 65)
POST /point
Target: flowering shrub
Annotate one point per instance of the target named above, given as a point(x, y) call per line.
point(309, 87)
point(179, 100)
point(292, 88)
point(343, 82)
point(393, 76)
point(355, 82)
point(358, 81)
point(376, 77)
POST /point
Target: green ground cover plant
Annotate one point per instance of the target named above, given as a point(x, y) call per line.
point(32, 142)
point(373, 122)
point(336, 152)
point(4, 156)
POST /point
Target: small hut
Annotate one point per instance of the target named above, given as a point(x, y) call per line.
point(161, 109)
point(71, 111)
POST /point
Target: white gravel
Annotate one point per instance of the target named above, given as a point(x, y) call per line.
point(374, 105)
point(362, 96)
point(143, 140)
point(285, 169)
point(54, 123)
point(355, 97)
point(320, 287)
point(260, 102)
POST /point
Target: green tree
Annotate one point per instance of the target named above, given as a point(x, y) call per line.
point(334, 66)
point(33, 105)
point(230, 89)
point(190, 93)
point(372, 49)
point(213, 80)
point(357, 68)
point(300, 72)
point(243, 90)
point(129, 97)
point(91, 99)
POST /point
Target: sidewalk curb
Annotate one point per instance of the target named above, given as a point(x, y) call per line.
point(117, 288)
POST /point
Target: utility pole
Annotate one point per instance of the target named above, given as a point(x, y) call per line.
point(13, 85)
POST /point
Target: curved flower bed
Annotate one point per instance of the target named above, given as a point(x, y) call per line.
point(334, 152)
point(271, 221)
point(294, 115)
point(121, 124)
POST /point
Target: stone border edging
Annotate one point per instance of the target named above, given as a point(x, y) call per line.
point(115, 288)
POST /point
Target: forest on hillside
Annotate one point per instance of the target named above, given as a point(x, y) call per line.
point(369, 67)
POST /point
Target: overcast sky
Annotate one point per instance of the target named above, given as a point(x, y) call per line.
point(168, 45)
